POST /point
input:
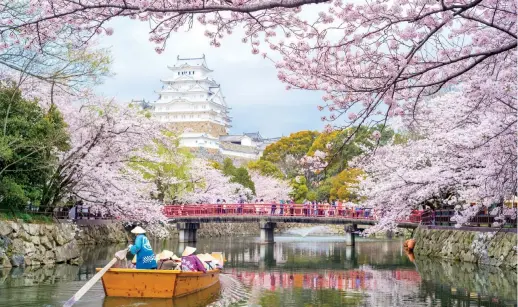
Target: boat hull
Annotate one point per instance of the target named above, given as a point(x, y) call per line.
point(156, 283)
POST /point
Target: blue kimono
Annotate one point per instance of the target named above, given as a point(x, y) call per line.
point(145, 256)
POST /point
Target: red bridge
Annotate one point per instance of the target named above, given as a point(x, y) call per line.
point(324, 213)
point(189, 217)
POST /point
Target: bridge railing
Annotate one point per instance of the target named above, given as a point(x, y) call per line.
point(299, 210)
point(443, 218)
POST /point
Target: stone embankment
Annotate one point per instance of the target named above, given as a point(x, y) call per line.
point(496, 248)
point(209, 230)
point(24, 244)
point(115, 233)
point(102, 234)
point(489, 281)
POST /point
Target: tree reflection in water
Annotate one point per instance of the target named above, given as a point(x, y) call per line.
point(314, 271)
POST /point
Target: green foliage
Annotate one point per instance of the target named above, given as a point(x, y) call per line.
point(299, 189)
point(26, 217)
point(344, 186)
point(242, 177)
point(323, 190)
point(312, 195)
point(323, 140)
point(296, 145)
point(340, 148)
point(216, 165)
point(30, 138)
point(238, 174)
point(228, 167)
point(265, 168)
point(171, 173)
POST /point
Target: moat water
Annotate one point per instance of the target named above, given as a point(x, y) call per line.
point(295, 271)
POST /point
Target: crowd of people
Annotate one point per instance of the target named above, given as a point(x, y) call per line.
point(287, 207)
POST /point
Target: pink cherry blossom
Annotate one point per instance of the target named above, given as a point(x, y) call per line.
point(456, 159)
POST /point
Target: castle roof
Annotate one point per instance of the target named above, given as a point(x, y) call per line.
point(255, 136)
point(190, 62)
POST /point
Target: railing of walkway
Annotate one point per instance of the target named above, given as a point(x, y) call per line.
point(300, 210)
point(61, 213)
point(443, 218)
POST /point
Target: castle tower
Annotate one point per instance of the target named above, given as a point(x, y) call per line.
point(193, 103)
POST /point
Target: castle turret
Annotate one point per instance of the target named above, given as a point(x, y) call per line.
point(193, 103)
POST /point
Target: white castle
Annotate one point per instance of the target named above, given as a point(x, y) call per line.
point(194, 105)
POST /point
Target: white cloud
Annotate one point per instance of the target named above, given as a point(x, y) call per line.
point(258, 99)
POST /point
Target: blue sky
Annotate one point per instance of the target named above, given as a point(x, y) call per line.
point(258, 99)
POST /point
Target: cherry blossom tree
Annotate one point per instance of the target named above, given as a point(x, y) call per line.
point(465, 152)
point(209, 184)
point(374, 59)
point(104, 136)
point(269, 188)
point(62, 61)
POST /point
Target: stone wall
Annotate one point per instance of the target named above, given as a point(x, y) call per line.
point(489, 281)
point(23, 244)
point(199, 127)
point(208, 230)
point(106, 233)
point(491, 248)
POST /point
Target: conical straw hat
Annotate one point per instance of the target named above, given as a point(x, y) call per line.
point(165, 254)
point(138, 230)
point(188, 251)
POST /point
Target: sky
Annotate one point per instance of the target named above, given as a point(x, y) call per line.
point(258, 100)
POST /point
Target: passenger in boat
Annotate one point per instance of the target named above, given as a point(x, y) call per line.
point(142, 249)
point(167, 260)
point(190, 262)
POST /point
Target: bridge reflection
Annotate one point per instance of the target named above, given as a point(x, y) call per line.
point(364, 279)
point(304, 254)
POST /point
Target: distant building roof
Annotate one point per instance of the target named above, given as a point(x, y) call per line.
point(255, 136)
point(191, 62)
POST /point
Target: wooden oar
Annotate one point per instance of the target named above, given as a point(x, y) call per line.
point(118, 256)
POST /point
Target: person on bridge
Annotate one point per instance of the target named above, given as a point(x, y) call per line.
point(219, 206)
point(142, 249)
point(241, 204)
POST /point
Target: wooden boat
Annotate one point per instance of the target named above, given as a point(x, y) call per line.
point(156, 283)
point(122, 282)
point(201, 298)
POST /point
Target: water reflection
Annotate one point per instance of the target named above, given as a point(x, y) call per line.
point(201, 298)
point(467, 281)
point(310, 271)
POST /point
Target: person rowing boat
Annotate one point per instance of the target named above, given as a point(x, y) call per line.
point(146, 258)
